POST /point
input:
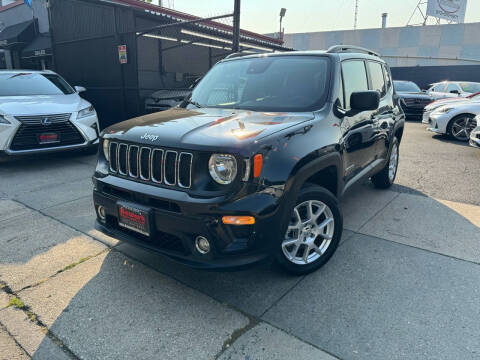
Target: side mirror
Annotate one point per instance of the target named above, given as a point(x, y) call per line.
point(80, 89)
point(455, 92)
point(364, 100)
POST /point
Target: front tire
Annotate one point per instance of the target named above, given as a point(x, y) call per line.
point(460, 127)
point(313, 233)
point(385, 178)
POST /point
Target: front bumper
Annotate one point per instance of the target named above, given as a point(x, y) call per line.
point(88, 128)
point(413, 113)
point(177, 219)
point(438, 122)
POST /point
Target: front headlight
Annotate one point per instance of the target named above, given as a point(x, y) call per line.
point(445, 109)
point(86, 112)
point(3, 120)
point(106, 149)
point(223, 168)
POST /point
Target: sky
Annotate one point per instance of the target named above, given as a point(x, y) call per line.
point(262, 16)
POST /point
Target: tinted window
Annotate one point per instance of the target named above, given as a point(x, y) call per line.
point(274, 83)
point(376, 75)
point(24, 84)
point(341, 94)
point(439, 88)
point(354, 78)
point(388, 78)
point(452, 87)
point(406, 86)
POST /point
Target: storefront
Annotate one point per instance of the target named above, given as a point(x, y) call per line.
point(24, 35)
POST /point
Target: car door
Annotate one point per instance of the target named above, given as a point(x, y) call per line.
point(383, 117)
point(359, 137)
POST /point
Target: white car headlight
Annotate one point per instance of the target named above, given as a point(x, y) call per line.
point(3, 120)
point(86, 112)
point(106, 149)
point(445, 109)
point(223, 168)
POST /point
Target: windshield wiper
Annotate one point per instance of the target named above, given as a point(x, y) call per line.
point(189, 101)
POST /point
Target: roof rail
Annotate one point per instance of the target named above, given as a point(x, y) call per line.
point(350, 49)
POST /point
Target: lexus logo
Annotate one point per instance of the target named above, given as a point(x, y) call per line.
point(45, 121)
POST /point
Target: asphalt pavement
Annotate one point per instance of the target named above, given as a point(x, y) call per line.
point(404, 283)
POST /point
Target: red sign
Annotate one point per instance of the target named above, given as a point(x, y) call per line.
point(122, 54)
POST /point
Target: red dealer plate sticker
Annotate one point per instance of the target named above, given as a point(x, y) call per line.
point(48, 138)
point(134, 218)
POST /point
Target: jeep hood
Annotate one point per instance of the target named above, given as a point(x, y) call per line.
point(180, 127)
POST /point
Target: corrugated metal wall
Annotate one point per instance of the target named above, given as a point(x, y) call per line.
point(85, 36)
point(433, 45)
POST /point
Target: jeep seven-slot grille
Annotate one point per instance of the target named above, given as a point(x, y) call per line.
point(154, 165)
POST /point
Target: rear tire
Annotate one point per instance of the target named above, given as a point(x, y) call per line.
point(313, 234)
point(385, 178)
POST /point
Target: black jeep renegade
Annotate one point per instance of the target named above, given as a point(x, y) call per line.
point(250, 166)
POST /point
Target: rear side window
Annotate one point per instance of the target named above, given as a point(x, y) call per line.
point(388, 78)
point(354, 78)
point(376, 75)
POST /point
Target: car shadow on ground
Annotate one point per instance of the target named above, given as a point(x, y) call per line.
point(449, 140)
point(114, 306)
point(44, 160)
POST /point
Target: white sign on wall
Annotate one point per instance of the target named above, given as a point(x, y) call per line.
point(453, 10)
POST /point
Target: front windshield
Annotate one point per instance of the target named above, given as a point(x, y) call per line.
point(274, 83)
point(470, 87)
point(406, 86)
point(27, 84)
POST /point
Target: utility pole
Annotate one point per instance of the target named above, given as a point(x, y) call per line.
point(236, 27)
point(356, 15)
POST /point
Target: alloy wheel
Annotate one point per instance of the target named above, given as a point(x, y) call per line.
point(462, 127)
point(393, 163)
point(309, 232)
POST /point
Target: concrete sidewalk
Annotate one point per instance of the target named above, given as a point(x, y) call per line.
point(404, 284)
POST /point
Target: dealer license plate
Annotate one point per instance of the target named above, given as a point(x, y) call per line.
point(134, 217)
point(48, 138)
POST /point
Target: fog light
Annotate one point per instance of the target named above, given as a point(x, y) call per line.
point(102, 214)
point(202, 245)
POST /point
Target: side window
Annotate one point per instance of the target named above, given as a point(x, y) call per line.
point(451, 87)
point(354, 78)
point(439, 87)
point(388, 78)
point(376, 75)
point(341, 95)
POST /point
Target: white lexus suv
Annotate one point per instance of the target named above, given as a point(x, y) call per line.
point(41, 112)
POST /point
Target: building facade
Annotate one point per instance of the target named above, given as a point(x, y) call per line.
point(24, 35)
point(423, 53)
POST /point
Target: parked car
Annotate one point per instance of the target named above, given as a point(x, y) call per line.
point(165, 99)
point(475, 134)
point(252, 164)
point(453, 89)
point(441, 102)
point(456, 119)
point(41, 112)
point(413, 99)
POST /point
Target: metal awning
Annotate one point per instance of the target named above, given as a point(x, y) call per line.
point(40, 46)
point(17, 35)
